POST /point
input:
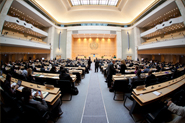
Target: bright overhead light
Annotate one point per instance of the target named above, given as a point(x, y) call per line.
point(94, 2)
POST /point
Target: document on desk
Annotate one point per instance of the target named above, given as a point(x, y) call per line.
point(20, 88)
point(13, 84)
point(55, 77)
point(156, 93)
point(41, 76)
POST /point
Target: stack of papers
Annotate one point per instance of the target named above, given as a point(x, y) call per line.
point(20, 88)
point(55, 77)
point(13, 84)
point(156, 93)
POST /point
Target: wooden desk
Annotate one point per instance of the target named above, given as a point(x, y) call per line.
point(158, 86)
point(51, 75)
point(145, 74)
point(78, 71)
point(76, 68)
point(146, 98)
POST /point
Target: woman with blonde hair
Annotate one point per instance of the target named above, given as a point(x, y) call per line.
point(123, 67)
point(29, 75)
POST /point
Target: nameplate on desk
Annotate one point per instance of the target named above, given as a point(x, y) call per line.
point(156, 93)
point(118, 74)
point(55, 77)
point(49, 86)
point(140, 87)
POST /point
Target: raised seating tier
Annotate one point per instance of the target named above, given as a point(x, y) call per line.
point(167, 37)
point(12, 34)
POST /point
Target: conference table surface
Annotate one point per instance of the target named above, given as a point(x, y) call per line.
point(143, 75)
point(149, 94)
point(51, 75)
point(51, 98)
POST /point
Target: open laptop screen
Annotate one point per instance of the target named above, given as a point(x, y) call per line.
point(19, 82)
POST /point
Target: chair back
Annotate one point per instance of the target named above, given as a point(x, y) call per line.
point(151, 82)
point(121, 85)
point(64, 85)
point(78, 77)
point(136, 83)
point(31, 115)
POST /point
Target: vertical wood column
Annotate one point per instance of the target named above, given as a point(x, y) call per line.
point(34, 56)
point(25, 57)
point(13, 57)
point(162, 58)
point(153, 57)
point(174, 59)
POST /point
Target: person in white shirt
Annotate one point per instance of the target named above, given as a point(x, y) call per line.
point(19, 71)
point(33, 65)
point(179, 112)
point(24, 72)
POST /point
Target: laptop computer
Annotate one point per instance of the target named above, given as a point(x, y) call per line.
point(140, 87)
point(19, 82)
point(49, 86)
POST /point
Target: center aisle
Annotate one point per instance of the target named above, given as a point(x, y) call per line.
point(94, 111)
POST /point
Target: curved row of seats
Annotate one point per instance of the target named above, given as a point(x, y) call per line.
point(12, 34)
point(168, 37)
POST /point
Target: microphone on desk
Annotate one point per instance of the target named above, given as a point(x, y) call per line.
point(152, 87)
point(38, 86)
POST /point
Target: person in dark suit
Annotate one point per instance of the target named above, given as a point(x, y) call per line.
point(64, 76)
point(89, 63)
point(149, 78)
point(123, 67)
point(96, 65)
point(42, 68)
point(53, 69)
point(110, 71)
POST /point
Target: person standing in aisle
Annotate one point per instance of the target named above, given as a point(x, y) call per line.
point(89, 63)
point(96, 65)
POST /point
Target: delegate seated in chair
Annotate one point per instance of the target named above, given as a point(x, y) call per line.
point(53, 69)
point(65, 76)
point(149, 78)
point(7, 86)
point(137, 77)
point(40, 105)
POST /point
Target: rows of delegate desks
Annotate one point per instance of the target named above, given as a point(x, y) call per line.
point(146, 96)
point(157, 74)
point(51, 75)
point(131, 70)
point(51, 98)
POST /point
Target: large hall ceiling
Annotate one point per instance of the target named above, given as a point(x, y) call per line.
point(125, 12)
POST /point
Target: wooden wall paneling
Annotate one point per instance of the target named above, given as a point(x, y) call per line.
point(153, 57)
point(174, 59)
point(25, 57)
point(34, 56)
point(162, 58)
point(13, 57)
point(6, 49)
point(176, 50)
point(81, 46)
